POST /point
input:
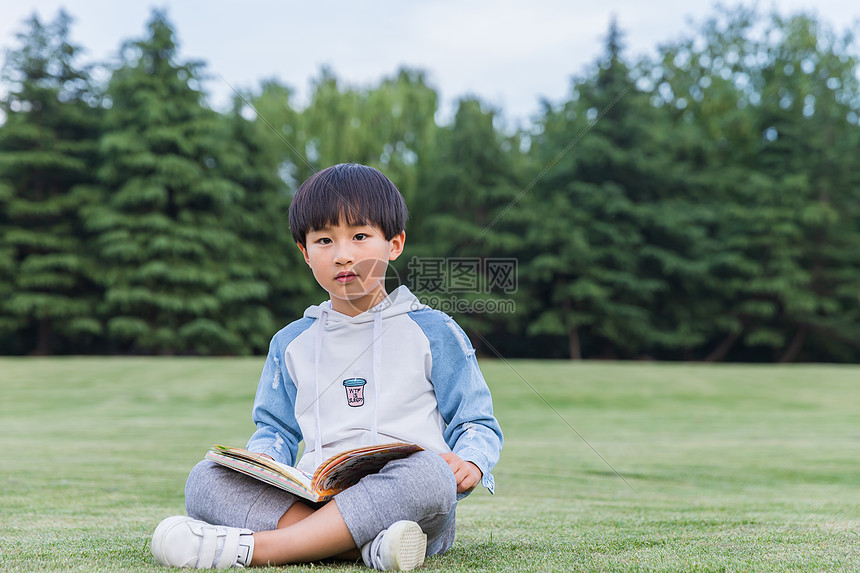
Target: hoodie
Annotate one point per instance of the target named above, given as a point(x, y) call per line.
point(399, 371)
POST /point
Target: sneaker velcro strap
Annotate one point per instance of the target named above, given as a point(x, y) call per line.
point(230, 549)
point(206, 554)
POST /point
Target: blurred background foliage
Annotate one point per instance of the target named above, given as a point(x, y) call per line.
point(700, 204)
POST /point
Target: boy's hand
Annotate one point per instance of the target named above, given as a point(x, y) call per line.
point(468, 475)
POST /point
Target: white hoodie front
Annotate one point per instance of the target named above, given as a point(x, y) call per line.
point(397, 372)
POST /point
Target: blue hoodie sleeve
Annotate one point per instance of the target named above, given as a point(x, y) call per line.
point(464, 399)
point(274, 413)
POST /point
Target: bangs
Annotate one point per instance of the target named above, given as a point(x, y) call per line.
point(347, 193)
point(329, 207)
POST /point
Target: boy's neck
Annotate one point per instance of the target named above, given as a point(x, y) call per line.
point(357, 306)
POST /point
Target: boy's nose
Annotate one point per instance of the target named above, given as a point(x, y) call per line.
point(343, 256)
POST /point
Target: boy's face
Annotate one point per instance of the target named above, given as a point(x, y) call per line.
point(349, 262)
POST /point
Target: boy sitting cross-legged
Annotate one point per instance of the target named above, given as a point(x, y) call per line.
point(421, 384)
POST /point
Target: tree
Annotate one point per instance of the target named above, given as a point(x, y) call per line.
point(597, 227)
point(769, 101)
point(48, 150)
point(466, 244)
point(255, 162)
point(811, 147)
point(388, 126)
point(170, 233)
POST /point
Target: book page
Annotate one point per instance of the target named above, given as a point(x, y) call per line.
point(345, 469)
point(301, 478)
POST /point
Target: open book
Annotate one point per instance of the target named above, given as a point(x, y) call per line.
point(332, 476)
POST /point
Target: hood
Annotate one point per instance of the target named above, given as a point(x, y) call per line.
point(399, 301)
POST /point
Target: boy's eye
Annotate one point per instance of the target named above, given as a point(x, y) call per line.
point(324, 241)
point(360, 236)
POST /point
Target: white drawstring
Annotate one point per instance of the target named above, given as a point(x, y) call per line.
point(377, 378)
point(377, 372)
point(318, 459)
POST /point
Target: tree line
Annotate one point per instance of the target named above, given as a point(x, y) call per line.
point(702, 203)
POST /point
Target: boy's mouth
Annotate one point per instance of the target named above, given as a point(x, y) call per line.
point(344, 277)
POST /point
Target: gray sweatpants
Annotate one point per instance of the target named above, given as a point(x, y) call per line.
point(419, 488)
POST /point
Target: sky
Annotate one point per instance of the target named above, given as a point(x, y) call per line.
point(511, 54)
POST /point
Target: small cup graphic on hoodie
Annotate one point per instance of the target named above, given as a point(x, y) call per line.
point(354, 391)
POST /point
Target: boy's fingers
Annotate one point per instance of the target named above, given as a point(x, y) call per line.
point(466, 479)
point(466, 484)
point(466, 473)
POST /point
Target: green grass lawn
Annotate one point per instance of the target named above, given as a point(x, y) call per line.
point(725, 468)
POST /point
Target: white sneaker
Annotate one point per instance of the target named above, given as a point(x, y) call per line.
point(401, 547)
point(180, 541)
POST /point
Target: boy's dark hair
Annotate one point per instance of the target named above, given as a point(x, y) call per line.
point(348, 192)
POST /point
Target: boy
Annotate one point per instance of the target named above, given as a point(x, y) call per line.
point(419, 383)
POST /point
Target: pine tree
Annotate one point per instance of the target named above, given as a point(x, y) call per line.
point(594, 212)
point(810, 88)
point(764, 103)
point(170, 234)
point(271, 256)
point(48, 147)
point(466, 237)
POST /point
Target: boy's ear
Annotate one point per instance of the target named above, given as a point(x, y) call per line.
point(397, 243)
point(304, 251)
